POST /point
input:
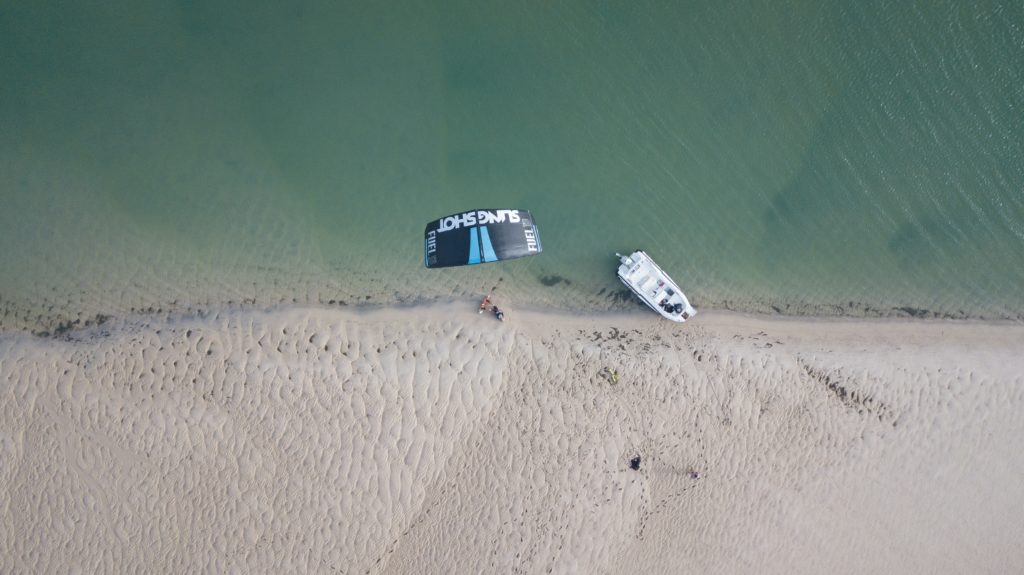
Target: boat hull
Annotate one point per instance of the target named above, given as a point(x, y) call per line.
point(654, 287)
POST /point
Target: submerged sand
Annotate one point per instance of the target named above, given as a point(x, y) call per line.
point(435, 440)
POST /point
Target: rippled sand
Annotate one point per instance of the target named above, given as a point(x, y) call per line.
point(437, 440)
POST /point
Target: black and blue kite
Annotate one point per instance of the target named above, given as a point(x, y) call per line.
point(480, 236)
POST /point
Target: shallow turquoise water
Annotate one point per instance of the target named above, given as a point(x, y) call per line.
point(808, 157)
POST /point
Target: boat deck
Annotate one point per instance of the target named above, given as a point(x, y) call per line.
point(654, 287)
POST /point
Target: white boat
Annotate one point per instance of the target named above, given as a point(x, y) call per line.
point(653, 286)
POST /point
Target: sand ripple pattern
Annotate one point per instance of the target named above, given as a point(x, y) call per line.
point(331, 441)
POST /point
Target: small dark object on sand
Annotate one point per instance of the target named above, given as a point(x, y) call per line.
point(610, 374)
point(694, 475)
point(634, 463)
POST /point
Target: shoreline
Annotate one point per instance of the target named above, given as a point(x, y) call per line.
point(76, 329)
point(62, 312)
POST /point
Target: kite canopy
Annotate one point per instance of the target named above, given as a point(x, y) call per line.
point(480, 236)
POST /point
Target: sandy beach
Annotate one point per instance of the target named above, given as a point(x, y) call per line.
point(436, 440)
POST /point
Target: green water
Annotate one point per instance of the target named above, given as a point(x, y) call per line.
point(806, 157)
